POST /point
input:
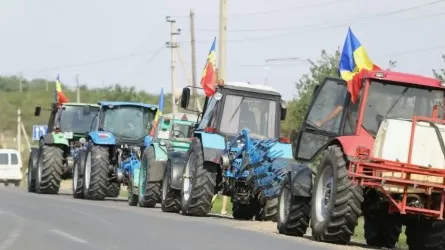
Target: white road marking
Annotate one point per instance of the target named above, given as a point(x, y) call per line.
point(15, 234)
point(68, 236)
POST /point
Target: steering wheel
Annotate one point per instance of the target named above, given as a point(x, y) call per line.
point(180, 133)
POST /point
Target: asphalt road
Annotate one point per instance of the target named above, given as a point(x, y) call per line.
point(47, 222)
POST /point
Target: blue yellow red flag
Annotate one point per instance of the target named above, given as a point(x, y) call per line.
point(158, 113)
point(59, 96)
point(354, 61)
point(208, 78)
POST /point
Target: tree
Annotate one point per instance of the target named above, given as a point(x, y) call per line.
point(440, 74)
point(326, 66)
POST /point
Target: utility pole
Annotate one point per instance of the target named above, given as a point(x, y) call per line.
point(19, 134)
point(78, 88)
point(193, 43)
point(222, 39)
point(20, 83)
point(173, 45)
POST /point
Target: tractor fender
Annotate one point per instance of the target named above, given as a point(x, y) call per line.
point(300, 177)
point(350, 143)
point(102, 138)
point(213, 145)
point(55, 138)
point(177, 165)
point(157, 167)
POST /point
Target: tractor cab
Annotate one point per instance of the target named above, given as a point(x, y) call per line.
point(130, 123)
point(383, 95)
point(239, 105)
point(175, 133)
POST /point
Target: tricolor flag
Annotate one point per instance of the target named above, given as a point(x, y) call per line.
point(208, 78)
point(158, 113)
point(59, 96)
point(354, 62)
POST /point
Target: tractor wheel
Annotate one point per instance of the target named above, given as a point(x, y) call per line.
point(149, 192)
point(242, 211)
point(425, 235)
point(171, 198)
point(78, 173)
point(336, 201)
point(381, 228)
point(268, 211)
point(113, 189)
point(132, 198)
point(49, 170)
point(96, 172)
point(293, 212)
point(32, 167)
point(198, 182)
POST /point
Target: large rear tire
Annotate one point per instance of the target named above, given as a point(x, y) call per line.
point(336, 200)
point(149, 192)
point(425, 234)
point(269, 211)
point(171, 198)
point(293, 212)
point(381, 228)
point(96, 172)
point(198, 182)
point(113, 189)
point(78, 173)
point(50, 169)
point(32, 171)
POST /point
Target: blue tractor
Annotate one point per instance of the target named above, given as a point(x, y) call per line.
point(118, 135)
point(237, 150)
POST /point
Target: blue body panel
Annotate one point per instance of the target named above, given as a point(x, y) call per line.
point(102, 138)
point(214, 141)
point(139, 104)
point(284, 149)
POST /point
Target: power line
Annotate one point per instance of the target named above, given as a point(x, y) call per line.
point(344, 22)
point(90, 62)
point(144, 64)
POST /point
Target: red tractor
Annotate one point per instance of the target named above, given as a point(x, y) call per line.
point(382, 157)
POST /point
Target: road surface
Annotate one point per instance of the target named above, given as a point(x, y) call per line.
point(54, 222)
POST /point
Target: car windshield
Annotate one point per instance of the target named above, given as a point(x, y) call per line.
point(73, 119)
point(386, 100)
point(181, 130)
point(256, 114)
point(129, 122)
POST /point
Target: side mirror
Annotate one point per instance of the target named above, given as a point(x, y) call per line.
point(37, 111)
point(185, 98)
point(283, 114)
point(283, 110)
point(86, 110)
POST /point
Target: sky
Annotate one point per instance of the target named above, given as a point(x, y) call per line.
point(110, 41)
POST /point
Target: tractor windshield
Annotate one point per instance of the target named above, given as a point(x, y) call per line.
point(388, 100)
point(181, 130)
point(72, 119)
point(129, 122)
point(256, 114)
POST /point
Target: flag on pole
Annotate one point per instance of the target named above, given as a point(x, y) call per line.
point(208, 78)
point(354, 62)
point(59, 96)
point(158, 113)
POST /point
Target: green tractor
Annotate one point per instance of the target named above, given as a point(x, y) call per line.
point(157, 182)
point(55, 157)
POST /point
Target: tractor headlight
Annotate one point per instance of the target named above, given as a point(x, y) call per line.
point(162, 142)
point(82, 140)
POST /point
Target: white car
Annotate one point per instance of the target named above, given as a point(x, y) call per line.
point(10, 167)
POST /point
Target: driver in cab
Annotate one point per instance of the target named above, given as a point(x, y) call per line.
point(247, 118)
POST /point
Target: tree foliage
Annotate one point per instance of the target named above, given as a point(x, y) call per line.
point(440, 73)
point(326, 66)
